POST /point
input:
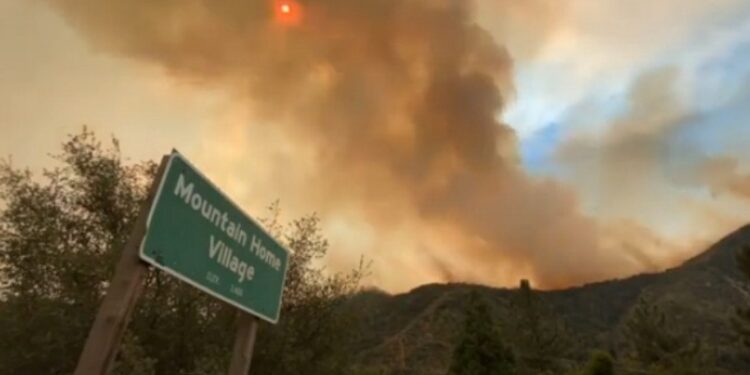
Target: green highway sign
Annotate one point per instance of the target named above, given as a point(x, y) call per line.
point(197, 234)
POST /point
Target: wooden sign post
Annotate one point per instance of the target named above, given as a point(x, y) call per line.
point(188, 228)
point(244, 343)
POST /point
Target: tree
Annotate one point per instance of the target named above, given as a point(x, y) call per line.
point(600, 363)
point(318, 319)
point(656, 344)
point(742, 318)
point(540, 340)
point(480, 350)
point(60, 236)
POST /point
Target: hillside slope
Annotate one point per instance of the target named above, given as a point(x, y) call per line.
point(414, 332)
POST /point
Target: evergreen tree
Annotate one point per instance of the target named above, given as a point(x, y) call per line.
point(601, 363)
point(481, 350)
point(656, 345)
point(539, 338)
point(742, 320)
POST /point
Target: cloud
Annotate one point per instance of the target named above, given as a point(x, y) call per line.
point(598, 48)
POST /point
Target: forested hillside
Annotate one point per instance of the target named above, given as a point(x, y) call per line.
point(698, 300)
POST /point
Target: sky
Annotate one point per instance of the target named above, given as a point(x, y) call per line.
point(561, 141)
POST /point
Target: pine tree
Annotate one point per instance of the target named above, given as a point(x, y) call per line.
point(540, 339)
point(481, 350)
point(601, 363)
point(656, 345)
point(742, 320)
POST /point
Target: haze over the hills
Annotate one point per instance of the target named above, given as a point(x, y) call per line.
point(560, 141)
point(409, 331)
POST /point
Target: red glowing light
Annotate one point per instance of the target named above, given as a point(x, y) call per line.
point(288, 12)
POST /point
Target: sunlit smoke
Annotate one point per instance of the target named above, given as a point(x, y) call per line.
point(389, 120)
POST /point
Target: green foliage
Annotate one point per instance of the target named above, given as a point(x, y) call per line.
point(58, 241)
point(318, 320)
point(60, 237)
point(658, 345)
point(480, 350)
point(133, 358)
point(540, 339)
point(600, 363)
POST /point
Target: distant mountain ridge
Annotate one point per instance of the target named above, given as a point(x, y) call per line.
point(414, 332)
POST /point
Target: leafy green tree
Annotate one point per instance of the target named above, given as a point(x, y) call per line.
point(600, 363)
point(481, 350)
point(540, 340)
point(318, 319)
point(60, 236)
point(657, 345)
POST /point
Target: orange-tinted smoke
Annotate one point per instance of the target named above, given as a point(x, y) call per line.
point(400, 100)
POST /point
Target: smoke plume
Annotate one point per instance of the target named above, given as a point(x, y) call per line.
point(723, 176)
point(387, 112)
point(633, 161)
point(643, 167)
